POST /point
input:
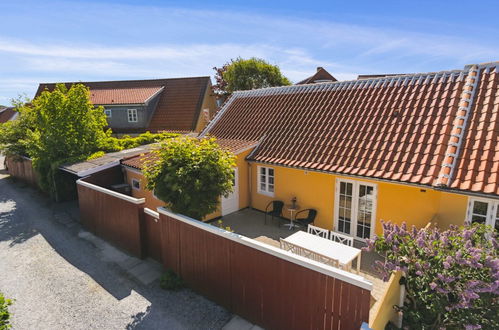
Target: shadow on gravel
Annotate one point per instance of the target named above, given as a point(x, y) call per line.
point(14, 231)
point(25, 212)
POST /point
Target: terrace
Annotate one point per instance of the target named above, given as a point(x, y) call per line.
point(251, 223)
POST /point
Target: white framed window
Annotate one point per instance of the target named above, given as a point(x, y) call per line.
point(266, 180)
point(108, 113)
point(135, 184)
point(355, 208)
point(132, 115)
point(483, 210)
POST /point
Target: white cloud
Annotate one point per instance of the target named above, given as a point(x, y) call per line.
point(166, 42)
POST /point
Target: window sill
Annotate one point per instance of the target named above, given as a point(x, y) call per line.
point(266, 193)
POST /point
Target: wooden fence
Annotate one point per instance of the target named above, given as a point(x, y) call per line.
point(112, 216)
point(21, 168)
point(152, 234)
point(268, 286)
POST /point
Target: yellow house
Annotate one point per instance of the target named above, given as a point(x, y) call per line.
point(413, 148)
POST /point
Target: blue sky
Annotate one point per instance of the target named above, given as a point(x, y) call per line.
point(48, 41)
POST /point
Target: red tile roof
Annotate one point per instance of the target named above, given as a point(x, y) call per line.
point(320, 76)
point(179, 104)
point(6, 114)
point(108, 96)
point(235, 146)
point(397, 128)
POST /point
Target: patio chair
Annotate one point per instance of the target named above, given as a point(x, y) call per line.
point(308, 220)
point(340, 238)
point(276, 210)
point(324, 233)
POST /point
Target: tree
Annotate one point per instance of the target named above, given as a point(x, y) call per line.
point(14, 133)
point(190, 175)
point(241, 74)
point(65, 127)
point(451, 276)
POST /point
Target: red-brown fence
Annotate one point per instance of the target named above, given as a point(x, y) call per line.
point(21, 168)
point(112, 216)
point(268, 286)
point(152, 234)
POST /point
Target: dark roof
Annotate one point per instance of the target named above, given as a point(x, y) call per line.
point(437, 129)
point(7, 114)
point(321, 75)
point(88, 167)
point(179, 104)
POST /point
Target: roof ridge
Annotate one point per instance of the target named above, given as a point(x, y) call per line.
point(348, 83)
point(120, 81)
point(459, 126)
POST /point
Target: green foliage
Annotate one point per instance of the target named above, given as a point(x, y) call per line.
point(171, 281)
point(248, 74)
point(14, 133)
point(126, 142)
point(221, 225)
point(190, 175)
point(66, 127)
point(451, 276)
point(4, 312)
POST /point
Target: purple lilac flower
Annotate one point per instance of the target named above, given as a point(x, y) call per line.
point(433, 285)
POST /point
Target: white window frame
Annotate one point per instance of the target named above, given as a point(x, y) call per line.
point(266, 183)
point(355, 208)
point(492, 205)
point(133, 114)
point(108, 113)
point(134, 181)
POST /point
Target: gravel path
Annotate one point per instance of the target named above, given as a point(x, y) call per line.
point(60, 281)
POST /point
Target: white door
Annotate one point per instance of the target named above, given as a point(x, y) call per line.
point(231, 203)
point(355, 207)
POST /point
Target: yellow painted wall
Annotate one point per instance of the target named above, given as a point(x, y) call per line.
point(151, 202)
point(242, 168)
point(209, 102)
point(385, 311)
point(395, 202)
point(452, 210)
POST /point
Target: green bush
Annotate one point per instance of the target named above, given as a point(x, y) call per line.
point(4, 312)
point(171, 281)
point(127, 142)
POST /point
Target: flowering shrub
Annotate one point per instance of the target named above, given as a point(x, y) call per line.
point(451, 277)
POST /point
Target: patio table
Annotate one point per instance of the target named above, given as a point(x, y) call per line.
point(343, 253)
point(292, 210)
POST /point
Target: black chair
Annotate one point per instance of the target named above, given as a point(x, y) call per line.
point(276, 210)
point(308, 220)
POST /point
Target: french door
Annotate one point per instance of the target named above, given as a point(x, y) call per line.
point(355, 208)
point(482, 210)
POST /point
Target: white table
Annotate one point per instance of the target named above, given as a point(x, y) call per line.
point(343, 253)
point(292, 210)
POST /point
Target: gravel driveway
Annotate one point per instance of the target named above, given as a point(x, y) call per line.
point(60, 281)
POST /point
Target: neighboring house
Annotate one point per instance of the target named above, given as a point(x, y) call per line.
point(136, 106)
point(318, 77)
point(7, 114)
